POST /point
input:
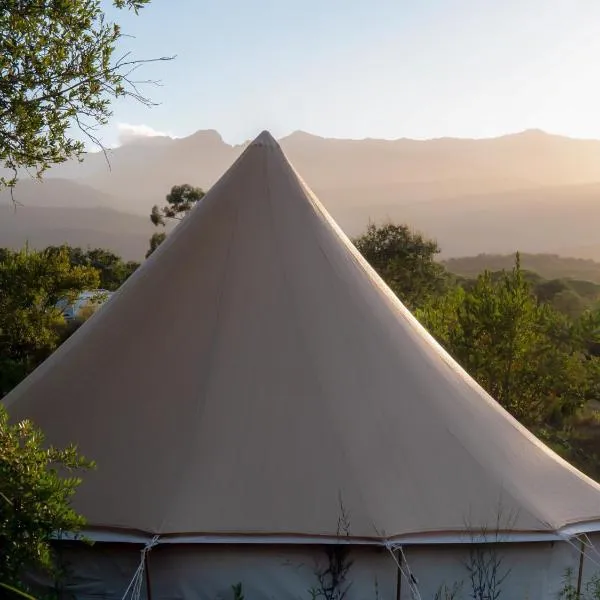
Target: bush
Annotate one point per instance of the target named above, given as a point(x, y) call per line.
point(37, 484)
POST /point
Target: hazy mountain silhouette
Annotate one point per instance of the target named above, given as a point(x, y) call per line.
point(532, 191)
point(39, 227)
point(59, 192)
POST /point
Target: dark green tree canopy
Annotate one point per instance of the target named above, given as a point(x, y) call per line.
point(180, 200)
point(537, 362)
point(58, 74)
point(36, 488)
point(31, 326)
point(155, 241)
point(112, 269)
point(405, 260)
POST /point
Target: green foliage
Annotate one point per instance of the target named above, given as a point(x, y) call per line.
point(541, 364)
point(36, 485)
point(569, 296)
point(532, 359)
point(238, 591)
point(569, 589)
point(180, 200)
point(155, 241)
point(16, 592)
point(532, 343)
point(57, 72)
point(405, 260)
point(440, 314)
point(112, 269)
point(445, 592)
point(134, 5)
point(592, 588)
point(31, 327)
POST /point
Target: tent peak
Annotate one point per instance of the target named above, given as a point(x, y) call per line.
point(281, 328)
point(265, 139)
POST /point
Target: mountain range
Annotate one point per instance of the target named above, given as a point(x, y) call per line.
point(530, 191)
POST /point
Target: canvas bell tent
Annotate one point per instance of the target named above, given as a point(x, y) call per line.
point(254, 394)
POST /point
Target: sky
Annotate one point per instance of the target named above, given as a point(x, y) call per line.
point(357, 69)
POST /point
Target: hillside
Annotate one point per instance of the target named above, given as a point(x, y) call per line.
point(571, 285)
point(123, 233)
point(548, 266)
point(550, 220)
point(473, 196)
point(57, 192)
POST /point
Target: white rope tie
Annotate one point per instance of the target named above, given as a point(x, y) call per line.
point(406, 573)
point(135, 585)
point(589, 544)
point(577, 548)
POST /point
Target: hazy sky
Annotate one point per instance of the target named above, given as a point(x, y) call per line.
point(366, 68)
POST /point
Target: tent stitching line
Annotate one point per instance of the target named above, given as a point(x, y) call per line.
point(299, 329)
point(292, 173)
point(359, 262)
point(212, 346)
point(447, 359)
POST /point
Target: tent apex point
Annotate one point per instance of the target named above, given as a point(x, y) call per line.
point(265, 139)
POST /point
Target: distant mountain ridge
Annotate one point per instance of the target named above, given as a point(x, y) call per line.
point(548, 266)
point(39, 227)
point(533, 191)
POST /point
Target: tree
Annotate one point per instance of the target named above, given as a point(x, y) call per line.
point(405, 261)
point(155, 241)
point(440, 315)
point(31, 325)
point(36, 488)
point(180, 200)
point(112, 269)
point(528, 356)
point(58, 71)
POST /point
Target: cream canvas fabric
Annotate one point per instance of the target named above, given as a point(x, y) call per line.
point(255, 375)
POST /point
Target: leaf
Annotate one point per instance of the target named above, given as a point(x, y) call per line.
point(58, 75)
point(16, 591)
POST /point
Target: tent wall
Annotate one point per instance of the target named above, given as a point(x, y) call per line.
point(207, 572)
point(533, 571)
point(92, 572)
point(281, 573)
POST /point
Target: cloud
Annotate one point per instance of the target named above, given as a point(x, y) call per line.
point(128, 132)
